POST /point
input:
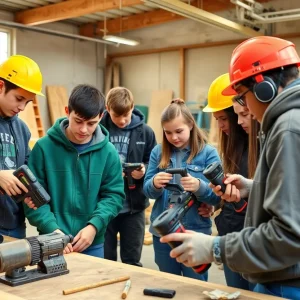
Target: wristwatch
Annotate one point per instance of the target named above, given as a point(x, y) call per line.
point(217, 251)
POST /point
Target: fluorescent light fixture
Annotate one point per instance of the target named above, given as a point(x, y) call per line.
point(200, 15)
point(120, 40)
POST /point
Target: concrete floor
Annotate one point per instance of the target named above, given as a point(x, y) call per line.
point(215, 274)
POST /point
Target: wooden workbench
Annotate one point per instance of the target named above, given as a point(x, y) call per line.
point(87, 270)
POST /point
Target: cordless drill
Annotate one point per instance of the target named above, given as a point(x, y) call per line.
point(38, 194)
point(127, 169)
point(214, 173)
point(169, 221)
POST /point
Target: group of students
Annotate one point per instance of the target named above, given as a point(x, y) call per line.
point(79, 162)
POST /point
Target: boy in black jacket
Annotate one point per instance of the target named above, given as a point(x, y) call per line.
point(134, 141)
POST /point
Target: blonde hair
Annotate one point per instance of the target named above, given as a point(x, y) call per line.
point(197, 139)
point(120, 100)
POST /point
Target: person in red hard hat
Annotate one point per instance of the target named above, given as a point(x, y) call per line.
point(264, 77)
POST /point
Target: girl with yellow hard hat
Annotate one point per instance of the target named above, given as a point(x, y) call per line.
point(234, 122)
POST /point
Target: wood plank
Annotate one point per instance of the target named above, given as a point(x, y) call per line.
point(160, 99)
point(86, 269)
point(182, 73)
point(68, 9)
point(213, 135)
point(57, 98)
point(7, 296)
point(108, 77)
point(116, 74)
point(132, 22)
point(28, 116)
point(38, 119)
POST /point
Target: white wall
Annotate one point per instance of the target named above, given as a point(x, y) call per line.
point(63, 61)
point(145, 73)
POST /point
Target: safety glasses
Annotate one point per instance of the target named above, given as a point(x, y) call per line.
point(240, 98)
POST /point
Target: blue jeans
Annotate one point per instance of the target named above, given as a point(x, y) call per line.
point(278, 290)
point(236, 280)
point(170, 265)
point(18, 233)
point(96, 250)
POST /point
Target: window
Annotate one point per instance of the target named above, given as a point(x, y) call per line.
point(5, 44)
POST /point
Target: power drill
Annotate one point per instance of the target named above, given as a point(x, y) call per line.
point(36, 191)
point(127, 169)
point(214, 173)
point(169, 221)
point(45, 251)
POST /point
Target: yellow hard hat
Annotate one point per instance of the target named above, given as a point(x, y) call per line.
point(23, 72)
point(216, 101)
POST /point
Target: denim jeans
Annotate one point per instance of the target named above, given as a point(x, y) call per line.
point(278, 290)
point(96, 250)
point(236, 280)
point(170, 265)
point(18, 233)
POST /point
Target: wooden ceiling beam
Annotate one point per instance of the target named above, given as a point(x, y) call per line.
point(146, 19)
point(68, 9)
point(127, 23)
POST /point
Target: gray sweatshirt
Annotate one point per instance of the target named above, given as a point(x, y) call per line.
point(268, 248)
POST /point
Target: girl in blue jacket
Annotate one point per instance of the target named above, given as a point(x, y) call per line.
point(183, 145)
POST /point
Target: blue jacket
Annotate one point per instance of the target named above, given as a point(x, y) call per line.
point(14, 152)
point(192, 220)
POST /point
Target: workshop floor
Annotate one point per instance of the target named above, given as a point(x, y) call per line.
point(215, 274)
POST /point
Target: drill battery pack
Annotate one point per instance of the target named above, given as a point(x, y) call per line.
point(36, 191)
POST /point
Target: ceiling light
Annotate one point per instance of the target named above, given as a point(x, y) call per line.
point(120, 40)
point(200, 15)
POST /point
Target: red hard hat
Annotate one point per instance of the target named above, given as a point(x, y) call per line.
point(258, 55)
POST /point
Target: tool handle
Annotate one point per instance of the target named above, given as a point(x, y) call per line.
point(181, 171)
point(198, 269)
point(131, 182)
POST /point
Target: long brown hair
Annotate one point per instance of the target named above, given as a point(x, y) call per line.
point(253, 153)
point(197, 139)
point(231, 147)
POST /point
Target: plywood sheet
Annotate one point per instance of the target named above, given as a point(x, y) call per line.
point(6, 296)
point(213, 136)
point(86, 270)
point(108, 78)
point(116, 74)
point(160, 99)
point(28, 117)
point(57, 97)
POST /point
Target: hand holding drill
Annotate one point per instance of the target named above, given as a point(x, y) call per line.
point(133, 171)
point(222, 187)
point(23, 187)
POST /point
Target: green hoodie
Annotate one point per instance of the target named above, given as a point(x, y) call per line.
point(85, 188)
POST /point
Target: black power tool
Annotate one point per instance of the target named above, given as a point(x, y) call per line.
point(38, 194)
point(127, 169)
point(214, 173)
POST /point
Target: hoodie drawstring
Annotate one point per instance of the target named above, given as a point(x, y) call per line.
point(14, 137)
point(89, 173)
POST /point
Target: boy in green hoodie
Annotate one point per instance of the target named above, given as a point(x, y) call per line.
point(81, 171)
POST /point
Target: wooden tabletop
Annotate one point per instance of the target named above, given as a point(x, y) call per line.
point(88, 270)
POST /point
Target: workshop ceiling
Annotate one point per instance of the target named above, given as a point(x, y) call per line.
point(96, 16)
